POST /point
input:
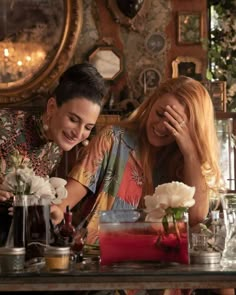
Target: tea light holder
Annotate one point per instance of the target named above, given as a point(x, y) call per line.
point(12, 259)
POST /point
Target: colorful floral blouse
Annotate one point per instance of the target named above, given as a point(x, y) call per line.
point(111, 170)
point(22, 131)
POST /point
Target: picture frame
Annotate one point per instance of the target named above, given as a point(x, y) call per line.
point(149, 79)
point(190, 27)
point(187, 66)
point(217, 91)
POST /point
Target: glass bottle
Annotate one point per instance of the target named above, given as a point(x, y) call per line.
point(67, 230)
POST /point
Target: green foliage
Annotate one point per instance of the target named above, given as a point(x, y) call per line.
point(222, 47)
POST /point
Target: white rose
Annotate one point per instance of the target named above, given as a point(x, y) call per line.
point(168, 195)
point(57, 182)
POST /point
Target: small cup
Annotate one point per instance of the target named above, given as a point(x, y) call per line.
point(57, 258)
point(199, 242)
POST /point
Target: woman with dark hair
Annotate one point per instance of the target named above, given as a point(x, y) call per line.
point(68, 119)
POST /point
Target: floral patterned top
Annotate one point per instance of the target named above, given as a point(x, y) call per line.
point(111, 170)
point(22, 131)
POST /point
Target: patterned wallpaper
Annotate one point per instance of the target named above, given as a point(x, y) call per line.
point(144, 50)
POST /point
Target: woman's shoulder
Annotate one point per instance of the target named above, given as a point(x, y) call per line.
point(110, 131)
point(11, 115)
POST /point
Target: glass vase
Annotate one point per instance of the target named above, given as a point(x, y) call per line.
point(31, 226)
point(125, 235)
point(228, 258)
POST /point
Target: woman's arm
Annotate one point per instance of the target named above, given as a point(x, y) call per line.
point(87, 173)
point(192, 175)
point(76, 191)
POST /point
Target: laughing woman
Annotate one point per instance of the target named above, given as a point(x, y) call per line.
point(170, 137)
point(70, 115)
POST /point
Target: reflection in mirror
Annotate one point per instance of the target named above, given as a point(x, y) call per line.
point(28, 43)
point(37, 40)
point(108, 61)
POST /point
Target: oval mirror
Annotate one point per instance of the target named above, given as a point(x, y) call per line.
point(37, 41)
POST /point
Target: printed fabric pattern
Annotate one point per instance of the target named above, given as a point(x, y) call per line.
point(111, 169)
point(22, 131)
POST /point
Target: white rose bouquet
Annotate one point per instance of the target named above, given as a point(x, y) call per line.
point(22, 180)
point(169, 202)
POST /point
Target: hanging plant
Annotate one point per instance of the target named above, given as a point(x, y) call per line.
point(222, 47)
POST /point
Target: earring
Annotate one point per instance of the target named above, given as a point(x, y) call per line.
point(45, 127)
point(85, 142)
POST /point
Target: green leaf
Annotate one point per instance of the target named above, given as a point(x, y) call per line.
point(165, 223)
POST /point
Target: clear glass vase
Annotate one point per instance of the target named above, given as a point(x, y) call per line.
point(228, 258)
point(31, 226)
point(126, 235)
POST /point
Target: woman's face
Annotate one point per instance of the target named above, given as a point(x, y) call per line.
point(71, 123)
point(157, 133)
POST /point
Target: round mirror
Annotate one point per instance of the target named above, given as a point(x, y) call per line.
point(37, 41)
point(108, 61)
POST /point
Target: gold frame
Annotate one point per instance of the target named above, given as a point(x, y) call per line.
point(188, 60)
point(42, 81)
point(217, 91)
point(190, 27)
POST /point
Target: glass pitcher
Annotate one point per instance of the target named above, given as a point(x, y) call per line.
point(31, 224)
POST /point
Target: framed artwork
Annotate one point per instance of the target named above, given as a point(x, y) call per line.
point(189, 28)
point(155, 43)
point(149, 79)
point(217, 91)
point(187, 66)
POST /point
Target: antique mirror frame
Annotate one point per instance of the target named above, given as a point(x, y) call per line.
point(137, 22)
point(108, 60)
point(40, 81)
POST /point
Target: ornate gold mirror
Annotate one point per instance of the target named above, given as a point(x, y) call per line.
point(37, 41)
point(108, 61)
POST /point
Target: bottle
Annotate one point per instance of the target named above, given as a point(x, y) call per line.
point(67, 230)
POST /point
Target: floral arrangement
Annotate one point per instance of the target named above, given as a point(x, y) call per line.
point(169, 201)
point(22, 180)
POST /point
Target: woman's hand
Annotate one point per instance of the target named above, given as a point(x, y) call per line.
point(56, 214)
point(5, 195)
point(178, 125)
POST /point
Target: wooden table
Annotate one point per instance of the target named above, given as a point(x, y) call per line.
point(129, 276)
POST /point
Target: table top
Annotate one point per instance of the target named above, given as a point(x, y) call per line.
point(122, 276)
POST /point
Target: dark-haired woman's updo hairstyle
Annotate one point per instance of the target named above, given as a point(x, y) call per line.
point(80, 81)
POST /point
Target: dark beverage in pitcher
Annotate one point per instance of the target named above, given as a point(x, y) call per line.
point(31, 224)
point(19, 226)
point(37, 230)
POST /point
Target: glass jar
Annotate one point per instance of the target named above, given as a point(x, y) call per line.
point(128, 235)
point(12, 259)
point(57, 258)
point(229, 253)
